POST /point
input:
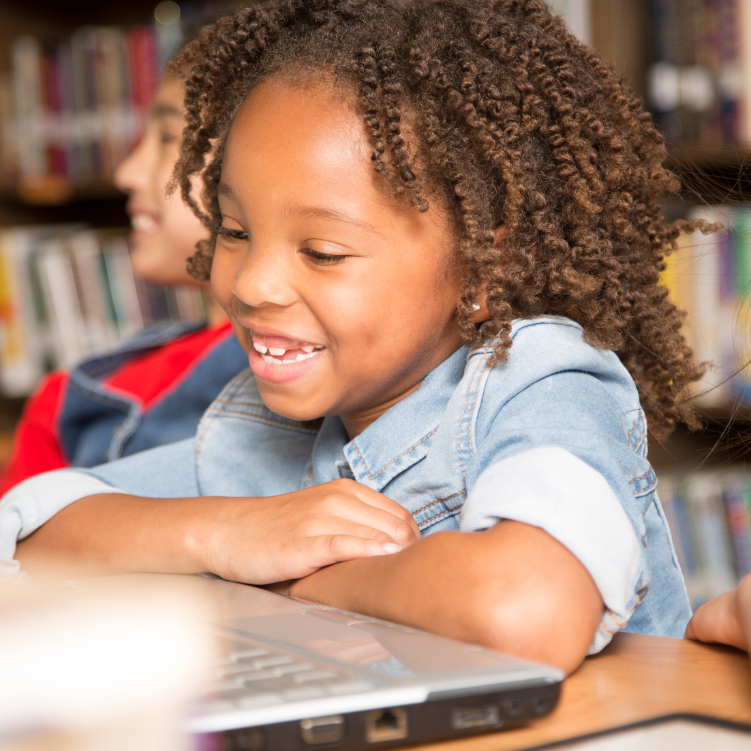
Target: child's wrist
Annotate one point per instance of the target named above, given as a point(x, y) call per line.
point(202, 539)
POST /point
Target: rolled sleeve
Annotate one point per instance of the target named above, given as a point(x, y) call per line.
point(163, 472)
point(33, 503)
point(550, 488)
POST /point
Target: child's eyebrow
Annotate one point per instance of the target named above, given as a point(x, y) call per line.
point(159, 109)
point(318, 212)
point(313, 212)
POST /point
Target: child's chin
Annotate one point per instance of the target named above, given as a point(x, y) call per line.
point(289, 408)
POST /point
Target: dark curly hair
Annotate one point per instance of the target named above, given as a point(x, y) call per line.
point(511, 121)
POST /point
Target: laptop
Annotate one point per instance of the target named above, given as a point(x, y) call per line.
point(297, 675)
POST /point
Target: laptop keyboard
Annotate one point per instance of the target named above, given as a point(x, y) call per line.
point(251, 677)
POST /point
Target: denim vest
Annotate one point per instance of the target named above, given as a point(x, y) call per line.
point(554, 437)
point(428, 451)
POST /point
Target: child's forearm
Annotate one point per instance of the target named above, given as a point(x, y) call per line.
point(114, 533)
point(252, 540)
point(513, 588)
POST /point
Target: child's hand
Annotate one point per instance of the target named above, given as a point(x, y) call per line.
point(264, 540)
point(725, 619)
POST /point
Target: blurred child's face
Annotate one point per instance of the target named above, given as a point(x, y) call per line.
point(164, 230)
point(344, 299)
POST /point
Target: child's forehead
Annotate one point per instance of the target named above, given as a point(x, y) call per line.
point(277, 117)
point(302, 152)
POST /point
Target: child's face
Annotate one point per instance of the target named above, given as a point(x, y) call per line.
point(165, 230)
point(318, 262)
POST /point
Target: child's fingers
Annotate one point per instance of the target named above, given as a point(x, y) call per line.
point(377, 520)
point(378, 500)
point(328, 549)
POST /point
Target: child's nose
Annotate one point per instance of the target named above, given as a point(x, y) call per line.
point(132, 173)
point(264, 278)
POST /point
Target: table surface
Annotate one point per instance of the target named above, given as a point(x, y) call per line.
point(634, 678)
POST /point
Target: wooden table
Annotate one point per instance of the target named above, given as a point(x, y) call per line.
point(635, 678)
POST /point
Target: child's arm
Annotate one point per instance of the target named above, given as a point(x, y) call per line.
point(257, 540)
point(513, 588)
point(725, 619)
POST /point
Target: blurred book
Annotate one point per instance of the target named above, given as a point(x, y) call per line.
point(699, 77)
point(67, 292)
point(709, 515)
point(709, 277)
point(70, 112)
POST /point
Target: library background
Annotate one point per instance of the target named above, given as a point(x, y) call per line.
point(75, 84)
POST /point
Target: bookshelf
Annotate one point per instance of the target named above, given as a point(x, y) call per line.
point(691, 61)
point(89, 33)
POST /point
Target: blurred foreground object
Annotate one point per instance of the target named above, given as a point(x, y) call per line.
point(100, 669)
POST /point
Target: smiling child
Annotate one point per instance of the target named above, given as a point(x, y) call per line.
point(438, 240)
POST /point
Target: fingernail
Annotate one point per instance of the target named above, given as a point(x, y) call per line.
point(390, 547)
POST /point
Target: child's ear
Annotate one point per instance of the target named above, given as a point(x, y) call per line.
point(482, 314)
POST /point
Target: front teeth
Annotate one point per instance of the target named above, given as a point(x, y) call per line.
point(302, 356)
point(143, 223)
point(274, 354)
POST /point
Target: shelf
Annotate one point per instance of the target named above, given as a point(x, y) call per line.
point(57, 191)
point(708, 157)
point(69, 15)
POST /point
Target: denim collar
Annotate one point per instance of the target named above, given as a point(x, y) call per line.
point(396, 440)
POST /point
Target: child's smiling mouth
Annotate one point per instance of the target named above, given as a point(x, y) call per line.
point(279, 359)
point(286, 355)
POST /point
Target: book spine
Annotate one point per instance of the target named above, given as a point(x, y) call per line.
point(690, 563)
point(730, 81)
point(143, 73)
point(29, 105)
point(663, 77)
point(707, 323)
point(738, 523)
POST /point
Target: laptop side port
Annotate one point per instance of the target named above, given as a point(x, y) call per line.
point(487, 716)
point(319, 730)
point(386, 725)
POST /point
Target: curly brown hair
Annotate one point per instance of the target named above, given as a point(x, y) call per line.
point(493, 108)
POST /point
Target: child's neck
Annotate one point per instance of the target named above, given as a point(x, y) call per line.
point(356, 422)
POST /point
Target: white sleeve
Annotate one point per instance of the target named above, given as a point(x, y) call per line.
point(163, 472)
point(554, 490)
point(35, 501)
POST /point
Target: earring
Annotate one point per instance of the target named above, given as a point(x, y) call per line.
point(476, 306)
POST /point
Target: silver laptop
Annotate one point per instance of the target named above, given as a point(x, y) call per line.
point(295, 675)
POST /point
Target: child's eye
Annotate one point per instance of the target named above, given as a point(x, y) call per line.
point(167, 138)
point(232, 234)
point(323, 258)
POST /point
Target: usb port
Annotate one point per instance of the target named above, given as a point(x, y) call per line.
point(487, 716)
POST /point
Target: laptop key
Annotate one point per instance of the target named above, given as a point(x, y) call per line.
point(314, 675)
point(270, 662)
point(258, 700)
point(216, 688)
point(298, 694)
point(247, 654)
point(218, 707)
point(270, 685)
point(351, 687)
point(295, 667)
point(253, 675)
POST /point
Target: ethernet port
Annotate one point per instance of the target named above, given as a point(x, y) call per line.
point(386, 725)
